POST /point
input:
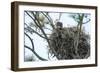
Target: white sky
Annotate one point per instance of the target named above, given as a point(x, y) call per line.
point(40, 44)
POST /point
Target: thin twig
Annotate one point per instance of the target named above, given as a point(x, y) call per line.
point(39, 25)
point(33, 50)
point(60, 15)
point(36, 32)
point(49, 19)
point(36, 54)
point(86, 21)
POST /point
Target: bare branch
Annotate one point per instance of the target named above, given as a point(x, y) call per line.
point(49, 19)
point(60, 15)
point(35, 53)
point(86, 22)
point(47, 28)
point(30, 40)
point(33, 50)
point(39, 25)
point(36, 32)
point(31, 17)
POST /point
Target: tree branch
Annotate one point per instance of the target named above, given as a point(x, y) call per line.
point(35, 53)
point(36, 32)
point(47, 28)
point(60, 15)
point(30, 40)
point(31, 17)
point(49, 19)
point(39, 25)
point(86, 22)
point(33, 50)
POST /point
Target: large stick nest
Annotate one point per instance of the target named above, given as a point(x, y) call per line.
point(62, 44)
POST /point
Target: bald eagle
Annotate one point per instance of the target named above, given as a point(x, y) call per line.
point(59, 25)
